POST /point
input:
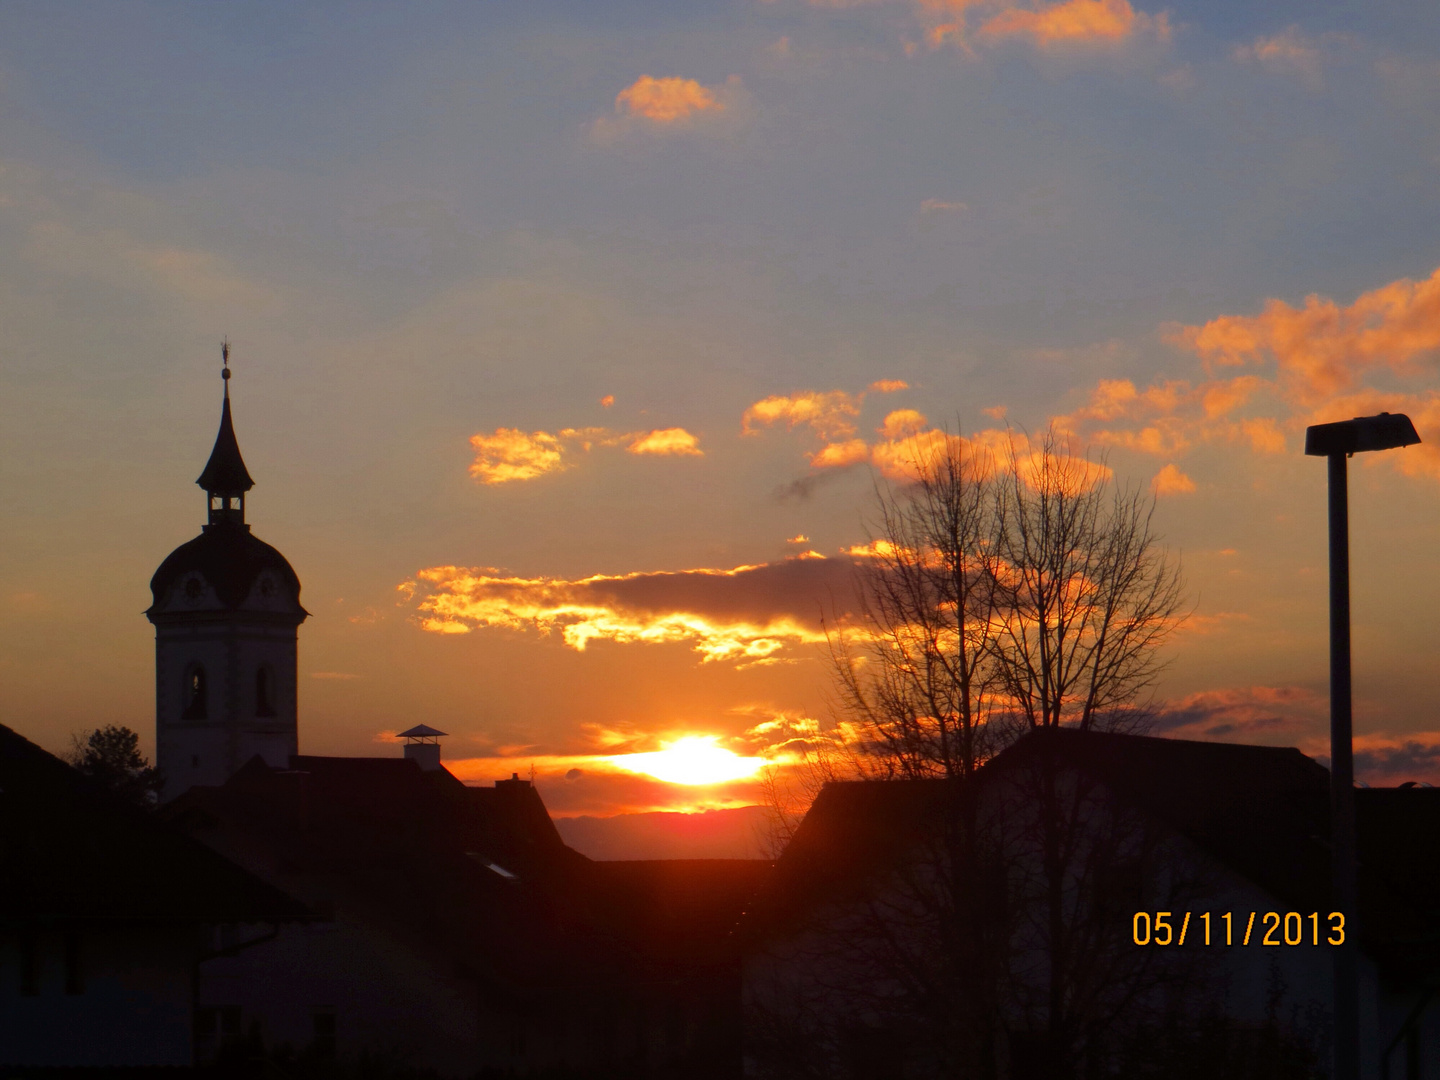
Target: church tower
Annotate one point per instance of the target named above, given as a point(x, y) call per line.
point(226, 612)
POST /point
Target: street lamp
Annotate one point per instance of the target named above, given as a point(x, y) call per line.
point(1337, 442)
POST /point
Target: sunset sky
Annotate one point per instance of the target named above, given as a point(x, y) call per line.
point(570, 341)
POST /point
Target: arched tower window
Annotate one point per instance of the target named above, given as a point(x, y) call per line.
point(195, 694)
point(264, 691)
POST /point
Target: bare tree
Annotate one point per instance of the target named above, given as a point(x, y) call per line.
point(920, 674)
point(1086, 593)
point(1006, 591)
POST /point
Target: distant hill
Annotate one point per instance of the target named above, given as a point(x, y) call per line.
point(741, 833)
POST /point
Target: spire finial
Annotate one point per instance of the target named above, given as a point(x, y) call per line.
point(225, 363)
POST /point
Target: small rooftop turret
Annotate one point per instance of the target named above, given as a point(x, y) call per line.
point(225, 478)
point(422, 745)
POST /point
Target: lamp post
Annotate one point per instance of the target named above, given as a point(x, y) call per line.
point(1337, 442)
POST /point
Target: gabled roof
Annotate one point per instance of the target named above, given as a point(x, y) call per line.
point(225, 472)
point(414, 850)
point(1262, 811)
point(72, 850)
point(475, 877)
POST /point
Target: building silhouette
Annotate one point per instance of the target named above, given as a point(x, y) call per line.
point(106, 919)
point(455, 932)
point(226, 612)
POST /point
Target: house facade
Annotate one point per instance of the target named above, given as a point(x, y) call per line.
point(105, 918)
point(1029, 925)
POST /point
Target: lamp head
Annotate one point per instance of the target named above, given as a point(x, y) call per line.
point(1383, 432)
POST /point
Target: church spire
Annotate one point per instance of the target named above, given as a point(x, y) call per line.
point(225, 478)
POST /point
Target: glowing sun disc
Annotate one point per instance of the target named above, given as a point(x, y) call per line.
point(695, 759)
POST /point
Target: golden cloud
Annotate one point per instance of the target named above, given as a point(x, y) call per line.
point(902, 422)
point(670, 104)
point(1171, 481)
point(745, 615)
point(1076, 21)
point(1306, 364)
point(510, 454)
point(1321, 348)
point(831, 414)
point(666, 100)
point(840, 454)
point(1068, 22)
point(668, 441)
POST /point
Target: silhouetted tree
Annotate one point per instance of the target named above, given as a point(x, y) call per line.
point(1007, 589)
point(111, 756)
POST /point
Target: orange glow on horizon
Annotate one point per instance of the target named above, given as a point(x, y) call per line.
point(692, 760)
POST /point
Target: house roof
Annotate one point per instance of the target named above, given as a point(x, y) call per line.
point(1262, 811)
point(475, 877)
point(72, 850)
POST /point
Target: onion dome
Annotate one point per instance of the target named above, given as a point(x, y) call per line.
point(226, 563)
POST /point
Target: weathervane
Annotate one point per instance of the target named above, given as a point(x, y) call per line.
point(225, 362)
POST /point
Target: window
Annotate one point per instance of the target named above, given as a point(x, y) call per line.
point(264, 691)
point(195, 695)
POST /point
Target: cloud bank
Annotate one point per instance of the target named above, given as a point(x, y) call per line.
point(745, 615)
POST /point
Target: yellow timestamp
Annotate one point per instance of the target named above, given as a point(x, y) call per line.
point(1224, 928)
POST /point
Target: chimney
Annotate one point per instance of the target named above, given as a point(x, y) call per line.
point(422, 745)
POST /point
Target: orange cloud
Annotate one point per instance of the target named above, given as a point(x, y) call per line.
point(1069, 22)
point(900, 423)
point(1321, 348)
point(1289, 50)
point(1171, 481)
point(667, 441)
point(751, 614)
point(666, 100)
point(1301, 365)
point(510, 454)
point(831, 414)
point(840, 454)
point(1076, 21)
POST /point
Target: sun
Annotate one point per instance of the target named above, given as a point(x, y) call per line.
point(694, 759)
